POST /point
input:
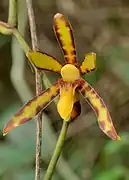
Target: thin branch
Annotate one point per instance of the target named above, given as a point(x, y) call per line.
point(57, 152)
point(35, 46)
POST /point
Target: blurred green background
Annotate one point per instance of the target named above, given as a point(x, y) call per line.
point(101, 27)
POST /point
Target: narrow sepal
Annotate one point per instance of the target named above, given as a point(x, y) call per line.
point(101, 110)
point(32, 108)
point(89, 63)
point(64, 34)
point(43, 61)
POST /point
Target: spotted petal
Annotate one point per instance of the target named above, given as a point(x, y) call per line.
point(43, 61)
point(89, 63)
point(32, 108)
point(98, 105)
point(64, 35)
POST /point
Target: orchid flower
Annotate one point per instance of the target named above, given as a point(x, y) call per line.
point(67, 87)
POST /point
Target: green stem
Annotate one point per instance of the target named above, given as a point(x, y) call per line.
point(57, 151)
point(21, 41)
point(9, 28)
point(12, 17)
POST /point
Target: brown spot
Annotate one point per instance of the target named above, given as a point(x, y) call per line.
point(102, 125)
point(87, 88)
point(63, 84)
point(99, 98)
point(86, 71)
point(76, 110)
point(82, 86)
point(25, 120)
point(82, 91)
point(19, 112)
point(112, 134)
point(38, 109)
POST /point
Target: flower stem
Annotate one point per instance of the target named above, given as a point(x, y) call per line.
point(12, 22)
point(12, 15)
point(21, 41)
point(38, 78)
point(57, 151)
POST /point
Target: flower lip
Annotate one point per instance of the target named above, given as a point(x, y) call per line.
point(66, 100)
point(70, 73)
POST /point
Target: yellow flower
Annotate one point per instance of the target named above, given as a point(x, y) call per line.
point(68, 86)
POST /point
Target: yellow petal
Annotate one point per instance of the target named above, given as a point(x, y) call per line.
point(89, 63)
point(65, 37)
point(66, 101)
point(43, 61)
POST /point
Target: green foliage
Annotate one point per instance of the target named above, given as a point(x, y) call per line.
point(118, 62)
point(113, 161)
point(4, 40)
point(116, 173)
point(17, 153)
